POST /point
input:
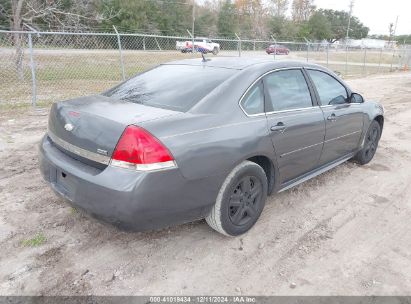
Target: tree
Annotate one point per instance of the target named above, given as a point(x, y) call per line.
point(279, 8)
point(251, 16)
point(278, 24)
point(52, 13)
point(226, 22)
point(282, 27)
point(206, 19)
point(339, 23)
point(406, 39)
point(319, 27)
point(302, 10)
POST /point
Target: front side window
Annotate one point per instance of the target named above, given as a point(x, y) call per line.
point(330, 91)
point(253, 101)
point(287, 90)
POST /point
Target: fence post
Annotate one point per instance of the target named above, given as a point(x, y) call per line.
point(364, 62)
point(328, 49)
point(238, 45)
point(346, 59)
point(392, 59)
point(33, 73)
point(121, 54)
point(192, 42)
point(275, 45)
point(379, 62)
point(158, 45)
point(401, 56)
point(308, 46)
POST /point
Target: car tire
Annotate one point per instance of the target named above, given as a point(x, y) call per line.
point(240, 200)
point(215, 51)
point(366, 154)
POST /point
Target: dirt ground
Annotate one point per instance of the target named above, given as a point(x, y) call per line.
point(346, 232)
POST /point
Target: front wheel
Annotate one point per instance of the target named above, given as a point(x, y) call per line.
point(366, 154)
point(240, 200)
point(215, 51)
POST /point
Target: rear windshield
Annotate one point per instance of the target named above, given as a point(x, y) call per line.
point(175, 87)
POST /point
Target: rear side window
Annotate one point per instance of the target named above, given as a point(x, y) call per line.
point(253, 101)
point(331, 91)
point(175, 87)
point(287, 90)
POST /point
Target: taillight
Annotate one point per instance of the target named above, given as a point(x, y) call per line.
point(139, 150)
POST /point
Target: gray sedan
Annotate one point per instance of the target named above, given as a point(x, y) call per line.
point(197, 139)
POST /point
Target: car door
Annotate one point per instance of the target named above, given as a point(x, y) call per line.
point(344, 120)
point(295, 122)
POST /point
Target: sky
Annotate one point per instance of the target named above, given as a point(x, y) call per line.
point(376, 14)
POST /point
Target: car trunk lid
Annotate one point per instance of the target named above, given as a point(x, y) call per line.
point(91, 126)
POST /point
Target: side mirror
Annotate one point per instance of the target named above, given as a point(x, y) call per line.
point(356, 98)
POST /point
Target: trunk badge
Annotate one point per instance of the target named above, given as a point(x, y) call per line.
point(68, 127)
point(101, 151)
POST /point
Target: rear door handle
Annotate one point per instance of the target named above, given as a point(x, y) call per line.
point(278, 127)
point(332, 117)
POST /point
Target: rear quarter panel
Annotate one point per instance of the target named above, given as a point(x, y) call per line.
point(204, 145)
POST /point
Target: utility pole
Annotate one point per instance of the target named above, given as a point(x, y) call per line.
point(395, 28)
point(192, 26)
point(347, 36)
point(392, 42)
point(349, 20)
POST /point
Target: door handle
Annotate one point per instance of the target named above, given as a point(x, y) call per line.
point(332, 117)
point(278, 127)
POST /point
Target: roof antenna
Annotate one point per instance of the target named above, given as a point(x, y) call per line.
point(204, 59)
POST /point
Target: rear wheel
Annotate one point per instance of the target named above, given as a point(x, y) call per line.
point(372, 138)
point(240, 200)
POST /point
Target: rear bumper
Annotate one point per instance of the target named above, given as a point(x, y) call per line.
point(129, 199)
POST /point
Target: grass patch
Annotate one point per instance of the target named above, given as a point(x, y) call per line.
point(14, 106)
point(371, 56)
point(38, 240)
point(73, 210)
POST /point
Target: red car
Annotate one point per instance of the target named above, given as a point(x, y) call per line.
point(277, 49)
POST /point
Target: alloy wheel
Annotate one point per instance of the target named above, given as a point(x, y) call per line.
point(245, 201)
point(371, 143)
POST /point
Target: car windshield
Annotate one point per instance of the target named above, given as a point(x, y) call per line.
point(175, 87)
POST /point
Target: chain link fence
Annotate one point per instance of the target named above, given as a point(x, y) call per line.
point(42, 67)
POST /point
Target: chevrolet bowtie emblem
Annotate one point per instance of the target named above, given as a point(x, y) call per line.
point(68, 127)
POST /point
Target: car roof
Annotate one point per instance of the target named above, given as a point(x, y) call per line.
point(241, 63)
